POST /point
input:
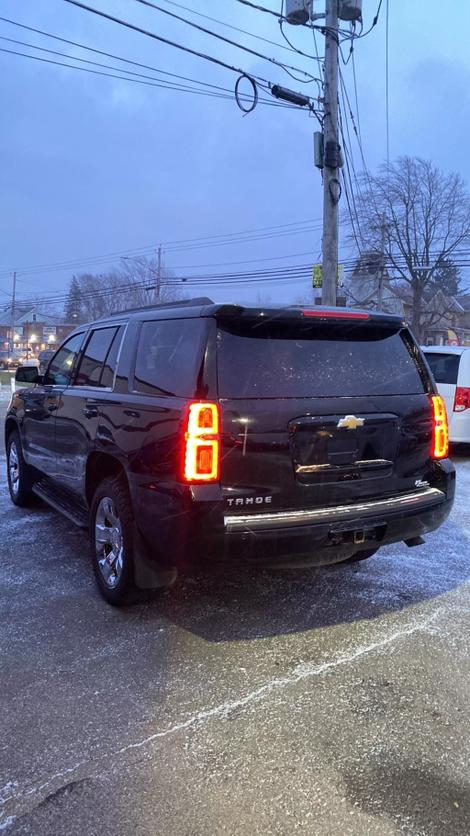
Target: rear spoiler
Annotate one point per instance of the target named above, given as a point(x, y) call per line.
point(297, 313)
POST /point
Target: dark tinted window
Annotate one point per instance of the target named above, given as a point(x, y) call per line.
point(94, 356)
point(61, 366)
point(169, 357)
point(283, 361)
point(109, 368)
point(445, 367)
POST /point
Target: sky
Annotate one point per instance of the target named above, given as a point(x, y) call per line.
point(94, 165)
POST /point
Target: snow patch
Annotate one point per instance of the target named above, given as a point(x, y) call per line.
point(222, 711)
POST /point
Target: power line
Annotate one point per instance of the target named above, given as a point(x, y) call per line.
point(170, 84)
point(350, 198)
point(246, 261)
point(245, 232)
point(218, 36)
point(162, 85)
point(230, 26)
point(259, 8)
point(356, 94)
point(281, 274)
point(111, 55)
point(168, 42)
point(277, 275)
point(105, 262)
point(179, 245)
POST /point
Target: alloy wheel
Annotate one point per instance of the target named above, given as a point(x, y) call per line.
point(109, 542)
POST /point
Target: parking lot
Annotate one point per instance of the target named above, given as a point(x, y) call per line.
point(330, 701)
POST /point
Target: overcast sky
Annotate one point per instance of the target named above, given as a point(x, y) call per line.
point(92, 165)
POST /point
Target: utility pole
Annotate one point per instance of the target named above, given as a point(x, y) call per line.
point(13, 316)
point(331, 184)
point(159, 275)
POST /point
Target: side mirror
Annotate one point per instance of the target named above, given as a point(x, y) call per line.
point(27, 374)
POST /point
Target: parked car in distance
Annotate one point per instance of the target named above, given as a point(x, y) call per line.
point(198, 434)
point(29, 360)
point(450, 366)
point(7, 360)
point(43, 359)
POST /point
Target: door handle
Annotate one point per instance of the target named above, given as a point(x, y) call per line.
point(90, 411)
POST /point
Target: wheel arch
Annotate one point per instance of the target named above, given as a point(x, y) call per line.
point(101, 466)
point(11, 424)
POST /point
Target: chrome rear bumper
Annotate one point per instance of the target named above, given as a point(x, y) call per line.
point(406, 503)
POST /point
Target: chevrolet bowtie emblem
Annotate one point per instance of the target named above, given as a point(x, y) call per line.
point(350, 422)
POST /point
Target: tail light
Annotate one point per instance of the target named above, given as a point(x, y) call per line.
point(202, 443)
point(462, 399)
point(440, 435)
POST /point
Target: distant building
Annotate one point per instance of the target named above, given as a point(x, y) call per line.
point(448, 316)
point(362, 289)
point(34, 330)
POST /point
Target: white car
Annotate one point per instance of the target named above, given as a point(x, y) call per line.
point(450, 366)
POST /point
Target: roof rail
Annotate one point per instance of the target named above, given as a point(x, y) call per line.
point(177, 303)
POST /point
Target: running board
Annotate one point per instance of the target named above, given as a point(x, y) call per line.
point(62, 501)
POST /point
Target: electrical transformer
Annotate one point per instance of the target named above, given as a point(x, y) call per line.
point(298, 11)
point(350, 9)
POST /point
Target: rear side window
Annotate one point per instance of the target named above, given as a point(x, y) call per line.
point(93, 359)
point(285, 361)
point(445, 367)
point(169, 355)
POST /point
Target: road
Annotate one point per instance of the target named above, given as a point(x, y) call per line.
point(332, 701)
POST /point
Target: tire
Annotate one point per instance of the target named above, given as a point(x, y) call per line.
point(112, 541)
point(19, 475)
point(364, 555)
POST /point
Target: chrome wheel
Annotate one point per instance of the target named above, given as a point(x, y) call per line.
point(14, 468)
point(109, 542)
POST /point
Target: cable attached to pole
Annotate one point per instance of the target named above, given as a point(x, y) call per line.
point(252, 105)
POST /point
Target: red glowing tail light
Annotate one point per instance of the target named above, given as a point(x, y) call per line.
point(462, 399)
point(440, 435)
point(202, 443)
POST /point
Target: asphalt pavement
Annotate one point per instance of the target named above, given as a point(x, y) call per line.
point(328, 701)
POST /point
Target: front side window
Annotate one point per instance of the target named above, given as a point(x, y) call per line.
point(94, 357)
point(61, 366)
point(169, 357)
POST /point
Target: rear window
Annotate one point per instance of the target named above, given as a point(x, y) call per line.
point(169, 355)
point(445, 367)
point(283, 361)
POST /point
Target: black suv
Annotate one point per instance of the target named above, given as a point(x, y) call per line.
point(196, 433)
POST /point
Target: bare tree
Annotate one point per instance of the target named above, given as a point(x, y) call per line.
point(417, 216)
point(130, 285)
